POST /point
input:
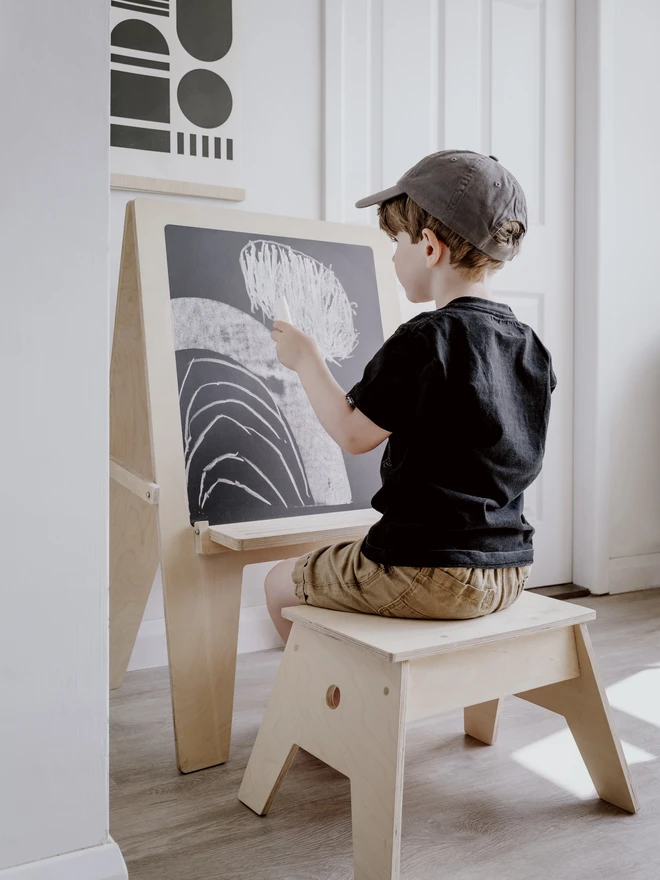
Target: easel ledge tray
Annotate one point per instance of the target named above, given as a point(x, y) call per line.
point(294, 529)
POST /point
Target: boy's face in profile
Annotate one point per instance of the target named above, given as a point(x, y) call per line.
point(413, 264)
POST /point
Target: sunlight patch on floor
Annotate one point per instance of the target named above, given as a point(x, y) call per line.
point(557, 759)
point(638, 695)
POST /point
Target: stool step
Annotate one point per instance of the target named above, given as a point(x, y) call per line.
point(398, 640)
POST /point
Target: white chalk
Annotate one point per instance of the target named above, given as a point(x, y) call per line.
point(282, 311)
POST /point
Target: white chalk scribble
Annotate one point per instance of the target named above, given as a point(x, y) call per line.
point(204, 496)
point(305, 463)
point(247, 422)
point(317, 300)
point(240, 486)
point(274, 410)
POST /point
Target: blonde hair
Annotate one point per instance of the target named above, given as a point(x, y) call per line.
point(401, 214)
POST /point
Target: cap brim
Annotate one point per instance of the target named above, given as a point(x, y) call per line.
point(379, 197)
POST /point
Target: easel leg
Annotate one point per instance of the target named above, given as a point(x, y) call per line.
point(583, 702)
point(482, 721)
point(133, 564)
point(202, 607)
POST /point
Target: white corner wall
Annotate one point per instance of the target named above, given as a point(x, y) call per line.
point(53, 507)
point(283, 174)
point(617, 442)
point(635, 299)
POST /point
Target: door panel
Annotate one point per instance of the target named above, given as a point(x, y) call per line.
point(495, 76)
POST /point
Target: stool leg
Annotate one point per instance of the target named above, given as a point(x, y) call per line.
point(583, 702)
point(483, 720)
point(348, 708)
point(274, 749)
point(376, 814)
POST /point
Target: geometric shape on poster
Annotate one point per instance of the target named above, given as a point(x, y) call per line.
point(204, 28)
point(230, 148)
point(137, 96)
point(204, 98)
point(140, 62)
point(134, 7)
point(193, 144)
point(133, 33)
point(218, 148)
point(159, 4)
point(135, 138)
point(205, 145)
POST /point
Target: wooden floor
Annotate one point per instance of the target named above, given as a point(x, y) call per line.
point(470, 812)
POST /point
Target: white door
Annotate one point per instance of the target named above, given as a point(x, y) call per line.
point(495, 76)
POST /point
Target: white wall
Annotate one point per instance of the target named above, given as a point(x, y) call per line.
point(53, 513)
point(635, 304)
point(283, 167)
point(618, 316)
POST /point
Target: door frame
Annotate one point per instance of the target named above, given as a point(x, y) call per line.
point(594, 210)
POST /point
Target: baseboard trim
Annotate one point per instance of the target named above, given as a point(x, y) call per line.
point(561, 591)
point(255, 633)
point(631, 573)
point(103, 862)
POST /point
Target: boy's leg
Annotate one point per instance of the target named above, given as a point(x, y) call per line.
point(280, 593)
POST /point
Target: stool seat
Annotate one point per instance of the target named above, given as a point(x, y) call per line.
point(397, 640)
point(350, 683)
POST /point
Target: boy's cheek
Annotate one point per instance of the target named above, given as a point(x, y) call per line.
point(408, 274)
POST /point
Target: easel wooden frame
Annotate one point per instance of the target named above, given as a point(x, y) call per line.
point(149, 516)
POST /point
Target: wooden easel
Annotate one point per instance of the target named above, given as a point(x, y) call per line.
point(149, 517)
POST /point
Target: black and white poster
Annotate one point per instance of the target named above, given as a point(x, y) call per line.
point(253, 446)
point(175, 90)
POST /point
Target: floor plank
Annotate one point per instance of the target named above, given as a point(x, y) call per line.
point(470, 811)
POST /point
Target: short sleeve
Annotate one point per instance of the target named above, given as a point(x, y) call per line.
point(391, 385)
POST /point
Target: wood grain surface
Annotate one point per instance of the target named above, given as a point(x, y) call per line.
point(402, 639)
point(470, 811)
point(335, 526)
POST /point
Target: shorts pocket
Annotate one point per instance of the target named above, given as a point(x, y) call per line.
point(364, 570)
point(437, 594)
point(466, 600)
point(388, 586)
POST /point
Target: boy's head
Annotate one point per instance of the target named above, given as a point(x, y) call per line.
point(458, 213)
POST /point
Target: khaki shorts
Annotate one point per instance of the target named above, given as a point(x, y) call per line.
point(341, 578)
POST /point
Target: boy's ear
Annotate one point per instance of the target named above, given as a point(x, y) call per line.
point(433, 248)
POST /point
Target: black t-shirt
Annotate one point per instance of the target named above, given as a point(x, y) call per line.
point(465, 391)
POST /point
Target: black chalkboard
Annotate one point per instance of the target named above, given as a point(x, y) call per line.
point(253, 447)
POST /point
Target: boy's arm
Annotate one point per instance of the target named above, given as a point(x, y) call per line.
point(348, 427)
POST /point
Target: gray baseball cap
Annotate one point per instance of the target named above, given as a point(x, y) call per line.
point(470, 193)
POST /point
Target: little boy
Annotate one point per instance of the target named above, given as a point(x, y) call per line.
point(462, 393)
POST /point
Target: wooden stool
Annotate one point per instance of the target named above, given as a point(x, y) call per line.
point(349, 683)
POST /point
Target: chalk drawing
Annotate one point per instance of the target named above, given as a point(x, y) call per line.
point(317, 300)
point(292, 460)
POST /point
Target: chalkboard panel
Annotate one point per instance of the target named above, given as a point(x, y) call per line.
point(253, 447)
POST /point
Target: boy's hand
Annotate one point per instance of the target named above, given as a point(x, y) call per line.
point(292, 345)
